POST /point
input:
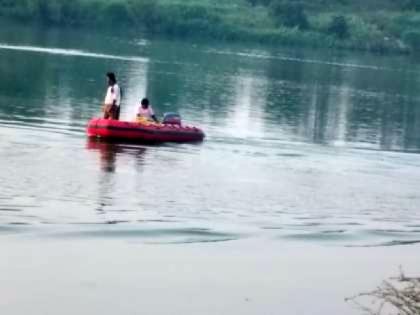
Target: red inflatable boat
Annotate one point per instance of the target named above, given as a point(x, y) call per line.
point(143, 132)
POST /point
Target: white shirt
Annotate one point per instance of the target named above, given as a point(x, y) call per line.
point(145, 112)
point(113, 94)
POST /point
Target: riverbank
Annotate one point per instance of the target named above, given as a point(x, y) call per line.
point(384, 28)
point(94, 276)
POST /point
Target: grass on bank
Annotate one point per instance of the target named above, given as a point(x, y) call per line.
point(373, 25)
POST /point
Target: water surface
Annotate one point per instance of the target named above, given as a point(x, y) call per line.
point(302, 146)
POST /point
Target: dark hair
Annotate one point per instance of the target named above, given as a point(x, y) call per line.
point(111, 77)
point(145, 102)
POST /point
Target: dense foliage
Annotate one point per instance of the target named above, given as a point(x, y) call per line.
point(376, 25)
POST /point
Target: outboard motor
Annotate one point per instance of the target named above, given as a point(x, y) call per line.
point(172, 119)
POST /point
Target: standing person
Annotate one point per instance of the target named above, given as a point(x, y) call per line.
point(112, 99)
point(146, 111)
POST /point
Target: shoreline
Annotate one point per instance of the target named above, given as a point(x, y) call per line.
point(228, 23)
point(266, 40)
point(90, 276)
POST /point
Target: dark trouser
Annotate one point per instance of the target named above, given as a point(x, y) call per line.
point(117, 113)
point(112, 112)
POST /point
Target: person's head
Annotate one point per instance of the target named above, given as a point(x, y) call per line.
point(111, 78)
point(145, 103)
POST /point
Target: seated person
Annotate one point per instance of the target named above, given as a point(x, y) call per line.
point(145, 111)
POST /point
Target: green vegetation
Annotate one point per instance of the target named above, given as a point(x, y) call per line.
point(374, 25)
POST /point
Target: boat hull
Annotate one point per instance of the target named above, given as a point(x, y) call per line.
point(133, 131)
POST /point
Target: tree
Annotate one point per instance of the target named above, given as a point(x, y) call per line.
point(412, 38)
point(339, 27)
point(410, 4)
point(290, 14)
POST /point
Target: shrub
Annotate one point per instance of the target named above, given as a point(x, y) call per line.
point(71, 12)
point(144, 12)
point(116, 13)
point(259, 2)
point(290, 14)
point(410, 4)
point(339, 27)
point(398, 295)
point(412, 38)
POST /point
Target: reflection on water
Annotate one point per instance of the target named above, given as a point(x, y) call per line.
point(318, 103)
point(109, 150)
point(302, 146)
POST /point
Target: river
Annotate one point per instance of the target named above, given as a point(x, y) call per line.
point(305, 190)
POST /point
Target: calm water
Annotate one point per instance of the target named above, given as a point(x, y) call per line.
point(302, 146)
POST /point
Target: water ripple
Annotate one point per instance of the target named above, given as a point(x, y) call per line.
point(153, 235)
point(390, 243)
